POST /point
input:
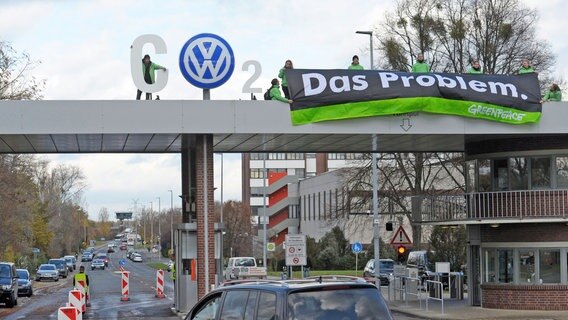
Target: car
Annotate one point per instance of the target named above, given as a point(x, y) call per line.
point(110, 250)
point(69, 262)
point(24, 283)
point(136, 257)
point(170, 265)
point(104, 257)
point(422, 260)
point(47, 271)
point(8, 284)
point(326, 297)
point(98, 264)
point(123, 246)
point(61, 267)
point(86, 257)
point(386, 269)
point(73, 259)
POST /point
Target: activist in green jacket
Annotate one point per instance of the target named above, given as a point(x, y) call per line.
point(275, 92)
point(282, 75)
point(149, 72)
point(355, 64)
point(475, 68)
point(420, 66)
point(526, 67)
point(553, 94)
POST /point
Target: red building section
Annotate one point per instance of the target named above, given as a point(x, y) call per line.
point(273, 199)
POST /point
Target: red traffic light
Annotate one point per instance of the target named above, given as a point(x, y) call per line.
point(401, 250)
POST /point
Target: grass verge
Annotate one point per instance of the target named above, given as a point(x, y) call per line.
point(158, 265)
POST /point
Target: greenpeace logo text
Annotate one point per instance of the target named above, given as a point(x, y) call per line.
point(495, 113)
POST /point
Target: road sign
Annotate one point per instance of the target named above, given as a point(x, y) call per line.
point(356, 247)
point(400, 237)
point(35, 250)
point(296, 254)
point(271, 246)
point(206, 61)
point(122, 262)
point(399, 271)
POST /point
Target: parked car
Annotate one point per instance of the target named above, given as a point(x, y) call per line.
point(8, 284)
point(69, 263)
point(73, 259)
point(386, 268)
point(314, 298)
point(104, 257)
point(136, 257)
point(24, 283)
point(47, 271)
point(61, 267)
point(98, 264)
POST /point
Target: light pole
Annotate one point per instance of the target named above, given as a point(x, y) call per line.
point(159, 213)
point(374, 182)
point(370, 33)
point(171, 218)
point(151, 223)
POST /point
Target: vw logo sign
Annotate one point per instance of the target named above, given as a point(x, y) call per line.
point(206, 61)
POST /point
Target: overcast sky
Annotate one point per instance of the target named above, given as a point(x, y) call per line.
point(84, 47)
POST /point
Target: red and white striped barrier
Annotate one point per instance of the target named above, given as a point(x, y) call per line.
point(77, 300)
point(82, 286)
point(69, 313)
point(160, 284)
point(125, 285)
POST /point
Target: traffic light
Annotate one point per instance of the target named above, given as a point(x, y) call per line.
point(401, 250)
point(389, 226)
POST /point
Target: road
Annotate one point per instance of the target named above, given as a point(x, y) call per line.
point(105, 295)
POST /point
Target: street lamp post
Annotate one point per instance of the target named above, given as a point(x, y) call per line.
point(374, 181)
point(370, 34)
point(151, 223)
point(171, 218)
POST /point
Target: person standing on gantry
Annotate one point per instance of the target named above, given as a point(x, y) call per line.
point(149, 71)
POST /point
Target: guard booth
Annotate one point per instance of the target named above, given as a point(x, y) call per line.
point(185, 289)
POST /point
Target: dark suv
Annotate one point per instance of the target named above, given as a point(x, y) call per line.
point(313, 298)
point(422, 260)
point(8, 284)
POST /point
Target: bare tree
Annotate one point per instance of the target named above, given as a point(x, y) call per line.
point(500, 33)
point(15, 83)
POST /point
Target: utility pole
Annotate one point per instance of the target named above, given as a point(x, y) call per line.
point(171, 219)
point(151, 222)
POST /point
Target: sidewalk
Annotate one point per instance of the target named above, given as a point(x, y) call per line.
point(460, 309)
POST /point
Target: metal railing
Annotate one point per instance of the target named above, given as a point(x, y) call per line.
point(435, 292)
point(528, 204)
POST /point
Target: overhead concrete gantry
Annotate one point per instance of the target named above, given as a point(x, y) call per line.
point(197, 129)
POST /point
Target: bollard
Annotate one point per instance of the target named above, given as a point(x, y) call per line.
point(77, 300)
point(160, 284)
point(69, 313)
point(81, 286)
point(125, 286)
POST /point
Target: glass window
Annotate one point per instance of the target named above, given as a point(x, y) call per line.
point(470, 179)
point(208, 309)
point(519, 173)
point(251, 305)
point(506, 267)
point(500, 175)
point(540, 173)
point(266, 306)
point(300, 173)
point(490, 266)
point(484, 179)
point(527, 266)
point(234, 305)
point(337, 303)
point(562, 172)
point(549, 264)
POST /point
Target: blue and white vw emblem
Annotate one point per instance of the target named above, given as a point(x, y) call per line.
point(206, 61)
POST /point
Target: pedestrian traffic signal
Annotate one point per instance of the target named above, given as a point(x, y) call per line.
point(401, 250)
